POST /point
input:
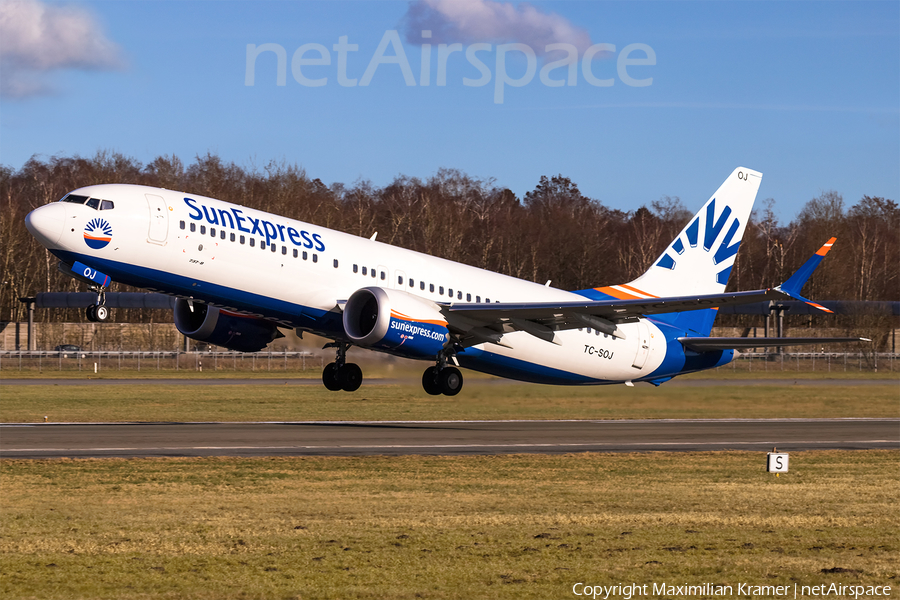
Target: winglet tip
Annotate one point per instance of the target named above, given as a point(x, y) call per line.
point(820, 307)
point(826, 247)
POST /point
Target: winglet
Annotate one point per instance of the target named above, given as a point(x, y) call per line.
point(795, 283)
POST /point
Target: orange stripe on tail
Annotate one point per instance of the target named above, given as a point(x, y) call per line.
point(618, 294)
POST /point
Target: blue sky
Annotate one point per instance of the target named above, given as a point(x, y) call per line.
point(806, 92)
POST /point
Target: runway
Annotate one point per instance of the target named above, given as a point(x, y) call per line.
point(90, 440)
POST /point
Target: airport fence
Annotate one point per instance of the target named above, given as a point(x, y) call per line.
point(97, 361)
point(294, 361)
point(815, 362)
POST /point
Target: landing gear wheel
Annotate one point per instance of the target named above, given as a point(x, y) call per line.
point(350, 377)
point(101, 313)
point(91, 313)
point(430, 381)
point(451, 381)
point(330, 377)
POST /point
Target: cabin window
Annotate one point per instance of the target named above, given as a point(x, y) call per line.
point(252, 242)
point(222, 234)
point(440, 290)
point(488, 300)
point(212, 231)
point(284, 250)
point(356, 268)
point(315, 258)
point(181, 225)
point(431, 288)
point(232, 237)
point(399, 279)
point(262, 245)
point(468, 297)
point(193, 227)
point(422, 285)
point(273, 247)
point(478, 299)
point(107, 205)
point(335, 263)
point(365, 271)
point(203, 230)
point(372, 272)
point(383, 275)
point(411, 282)
point(296, 254)
point(242, 239)
point(305, 255)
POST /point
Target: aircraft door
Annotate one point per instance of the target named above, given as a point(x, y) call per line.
point(643, 345)
point(159, 219)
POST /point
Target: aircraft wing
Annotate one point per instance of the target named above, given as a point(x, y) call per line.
point(478, 323)
point(542, 319)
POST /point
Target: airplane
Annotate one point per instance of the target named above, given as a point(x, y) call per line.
point(240, 274)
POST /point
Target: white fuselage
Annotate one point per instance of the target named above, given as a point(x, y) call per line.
point(297, 274)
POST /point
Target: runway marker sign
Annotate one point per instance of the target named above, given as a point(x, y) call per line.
point(776, 462)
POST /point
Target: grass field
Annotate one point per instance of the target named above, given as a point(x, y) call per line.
point(519, 526)
point(443, 527)
point(481, 399)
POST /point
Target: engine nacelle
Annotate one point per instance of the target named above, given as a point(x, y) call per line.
point(392, 320)
point(222, 328)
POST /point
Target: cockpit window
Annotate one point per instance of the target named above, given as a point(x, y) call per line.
point(95, 203)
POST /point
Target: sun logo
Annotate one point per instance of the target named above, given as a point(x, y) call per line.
point(713, 227)
point(97, 234)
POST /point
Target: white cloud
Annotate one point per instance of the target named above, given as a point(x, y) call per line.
point(36, 38)
point(469, 21)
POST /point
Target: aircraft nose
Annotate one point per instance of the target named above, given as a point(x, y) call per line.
point(46, 223)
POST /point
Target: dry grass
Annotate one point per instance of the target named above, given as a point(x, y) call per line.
point(442, 527)
point(480, 400)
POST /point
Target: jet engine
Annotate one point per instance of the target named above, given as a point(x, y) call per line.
point(392, 320)
point(223, 328)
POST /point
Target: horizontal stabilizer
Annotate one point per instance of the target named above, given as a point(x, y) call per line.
point(706, 344)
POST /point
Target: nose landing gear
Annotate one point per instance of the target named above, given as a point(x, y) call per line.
point(341, 375)
point(97, 313)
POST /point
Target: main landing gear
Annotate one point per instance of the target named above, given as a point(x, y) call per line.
point(442, 379)
point(97, 313)
point(341, 375)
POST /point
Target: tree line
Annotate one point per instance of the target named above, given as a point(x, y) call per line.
point(553, 233)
